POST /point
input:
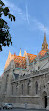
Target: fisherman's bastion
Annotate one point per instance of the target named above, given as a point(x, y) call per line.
point(25, 81)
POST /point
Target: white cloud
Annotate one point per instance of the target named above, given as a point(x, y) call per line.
point(27, 15)
point(34, 24)
point(41, 26)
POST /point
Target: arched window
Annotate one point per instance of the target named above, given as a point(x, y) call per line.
point(22, 89)
point(36, 86)
point(28, 88)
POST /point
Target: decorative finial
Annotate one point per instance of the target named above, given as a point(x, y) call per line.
point(20, 53)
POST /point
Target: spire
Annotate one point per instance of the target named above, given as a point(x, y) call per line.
point(44, 45)
point(20, 52)
point(27, 61)
point(25, 54)
point(45, 38)
point(9, 54)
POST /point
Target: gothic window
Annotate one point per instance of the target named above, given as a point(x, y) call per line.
point(36, 86)
point(28, 88)
point(22, 89)
point(17, 88)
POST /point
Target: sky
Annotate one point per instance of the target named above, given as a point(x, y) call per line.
point(32, 20)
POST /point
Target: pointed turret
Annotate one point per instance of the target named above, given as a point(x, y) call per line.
point(44, 45)
point(25, 54)
point(8, 61)
point(27, 60)
point(20, 53)
point(9, 54)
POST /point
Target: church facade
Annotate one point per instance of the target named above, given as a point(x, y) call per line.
point(25, 81)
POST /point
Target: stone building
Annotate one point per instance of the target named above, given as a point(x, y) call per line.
point(25, 80)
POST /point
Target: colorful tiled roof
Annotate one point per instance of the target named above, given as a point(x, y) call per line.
point(31, 57)
point(20, 61)
point(42, 53)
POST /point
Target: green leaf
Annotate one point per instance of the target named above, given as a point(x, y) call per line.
point(5, 37)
